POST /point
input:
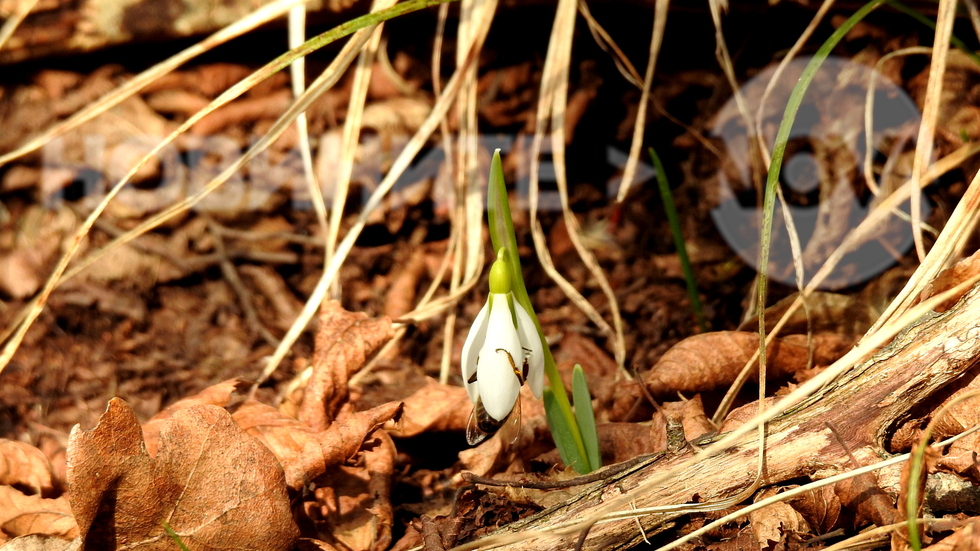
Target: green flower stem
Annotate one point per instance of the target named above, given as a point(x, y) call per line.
point(505, 243)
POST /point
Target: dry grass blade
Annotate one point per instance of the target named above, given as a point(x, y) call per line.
point(725, 60)
point(856, 237)
point(636, 147)
point(869, 178)
point(259, 17)
point(349, 140)
point(325, 81)
point(412, 148)
point(551, 106)
point(23, 8)
point(683, 470)
point(297, 73)
point(475, 19)
point(930, 112)
point(606, 42)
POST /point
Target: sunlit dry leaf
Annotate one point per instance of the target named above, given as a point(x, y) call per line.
point(820, 508)
point(355, 500)
point(21, 515)
point(217, 486)
point(305, 453)
point(966, 538)
point(623, 441)
point(690, 414)
point(951, 277)
point(866, 500)
point(772, 523)
point(36, 542)
point(433, 408)
point(962, 455)
point(344, 342)
point(222, 395)
point(24, 465)
point(713, 360)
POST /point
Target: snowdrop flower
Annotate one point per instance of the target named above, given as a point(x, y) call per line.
point(502, 350)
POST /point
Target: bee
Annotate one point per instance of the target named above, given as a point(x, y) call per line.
point(481, 425)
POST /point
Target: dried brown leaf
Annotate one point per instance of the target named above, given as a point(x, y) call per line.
point(622, 441)
point(961, 457)
point(305, 453)
point(951, 277)
point(820, 508)
point(222, 395)
point(344, 342)
point(772, 523)
point(355, 499)
point(434, 407)
point(866, 500)
point(713, 360)
point(37, 542)
point(400, 298)
point(217, 486)
point(966, 538)
point(23, 465)
point(22, 514)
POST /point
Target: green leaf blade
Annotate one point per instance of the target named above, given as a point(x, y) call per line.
point(561, 432)
point(585, 417)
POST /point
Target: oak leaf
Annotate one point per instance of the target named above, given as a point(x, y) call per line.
point(344, 342)
point(215, 485)
point(305, 453)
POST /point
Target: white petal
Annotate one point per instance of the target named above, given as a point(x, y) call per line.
point(471, 349)
point(501, 352)
point(531, 341)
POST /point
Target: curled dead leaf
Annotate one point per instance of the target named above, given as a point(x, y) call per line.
point(217, 486)
point(303, 452)
point(355, 500)
point(21, 515)
point(344, 342)
point(775, 522)
point(713, 360)
point(22, 464)
point(434, 407)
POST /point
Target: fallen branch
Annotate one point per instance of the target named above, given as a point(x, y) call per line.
point(863, 405)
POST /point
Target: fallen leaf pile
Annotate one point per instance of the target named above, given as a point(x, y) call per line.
point(221, 470)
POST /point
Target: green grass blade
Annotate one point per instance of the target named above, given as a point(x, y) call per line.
point(585, 416)
point(561, 432)
point(779, 151)
point(173, 535)
point(675, 230)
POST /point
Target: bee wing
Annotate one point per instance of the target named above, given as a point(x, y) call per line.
point(511, 428)
point(474, 435)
